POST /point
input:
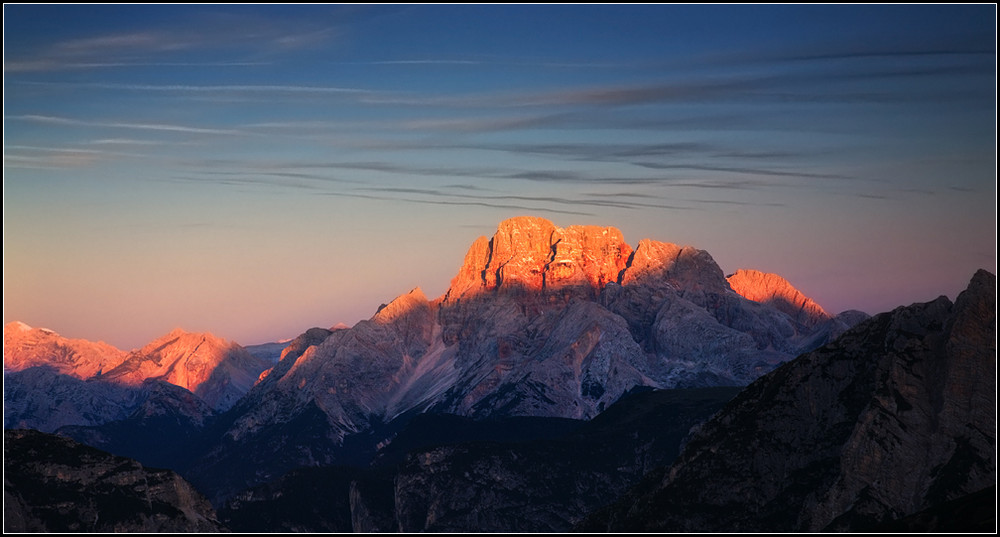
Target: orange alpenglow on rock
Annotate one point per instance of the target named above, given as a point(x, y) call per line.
point(532, 253)
point(216, 370)
point(777, 292)
point(25, 347)
point(212, 368)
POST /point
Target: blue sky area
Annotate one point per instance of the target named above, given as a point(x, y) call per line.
point(258, 170)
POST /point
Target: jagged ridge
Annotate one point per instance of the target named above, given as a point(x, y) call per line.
point(896, 416)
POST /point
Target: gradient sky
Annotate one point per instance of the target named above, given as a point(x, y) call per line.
point(255, 171)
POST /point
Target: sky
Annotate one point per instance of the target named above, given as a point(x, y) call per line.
point(257, 170)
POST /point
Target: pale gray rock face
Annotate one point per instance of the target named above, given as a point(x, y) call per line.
point(896, 416)
point(571, 362)
point(42, 398)
point(381, 366)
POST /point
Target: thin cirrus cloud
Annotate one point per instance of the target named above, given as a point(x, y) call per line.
point(124, 141)
point(262, 176)
point(960, 51)
point(744, 170)
point(252, 37)
point(39, 157)
point(51, 161)
point(452, 202)
point(484, 198)
point(161, 127)
point(42, 65)
point(802, 84)
point(497, 62)
point(545, 203)
point(280, 173)
point(628, 153)
point(193, 88)
point(290, 174)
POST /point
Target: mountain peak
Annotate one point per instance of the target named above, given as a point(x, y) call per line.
point(181, 335)
point(26, 347)
point(685, 268)
point(17, 325)
point(775, 291)
point(401, 305)
point(531, 253)
point(217, 370)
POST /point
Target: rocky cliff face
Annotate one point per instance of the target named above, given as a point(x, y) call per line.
point(53, 484)
point(896, 416)
point(532, 254)
point(42, 398)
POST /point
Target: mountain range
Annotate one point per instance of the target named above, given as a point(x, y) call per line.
point(562, 325)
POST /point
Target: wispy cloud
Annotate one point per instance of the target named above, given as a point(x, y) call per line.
point(243, 34)
point(123, 141)
point(414, 62)
point(499, 62)
point(279, 174)
point(771, 86)
point(467, 203)
point(264, 176)
point(192, 88)
point(744, 170)
point(162, 127)
point(591, 151)
point(49, 162)
point(486, 124)
point(961, 51)
point(55, 65)
point(482, 198)
point(32, 156)
point(35, 157)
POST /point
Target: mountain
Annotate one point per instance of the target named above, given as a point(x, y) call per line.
point(526, 396)
point(774, 291)
point(41, 398)
point(53, 484)
point(895, 417)
point(218, 371)
point(777, 292)
point(51, 381)
point(24, 347)
point(539, 321)
point(162, 429)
